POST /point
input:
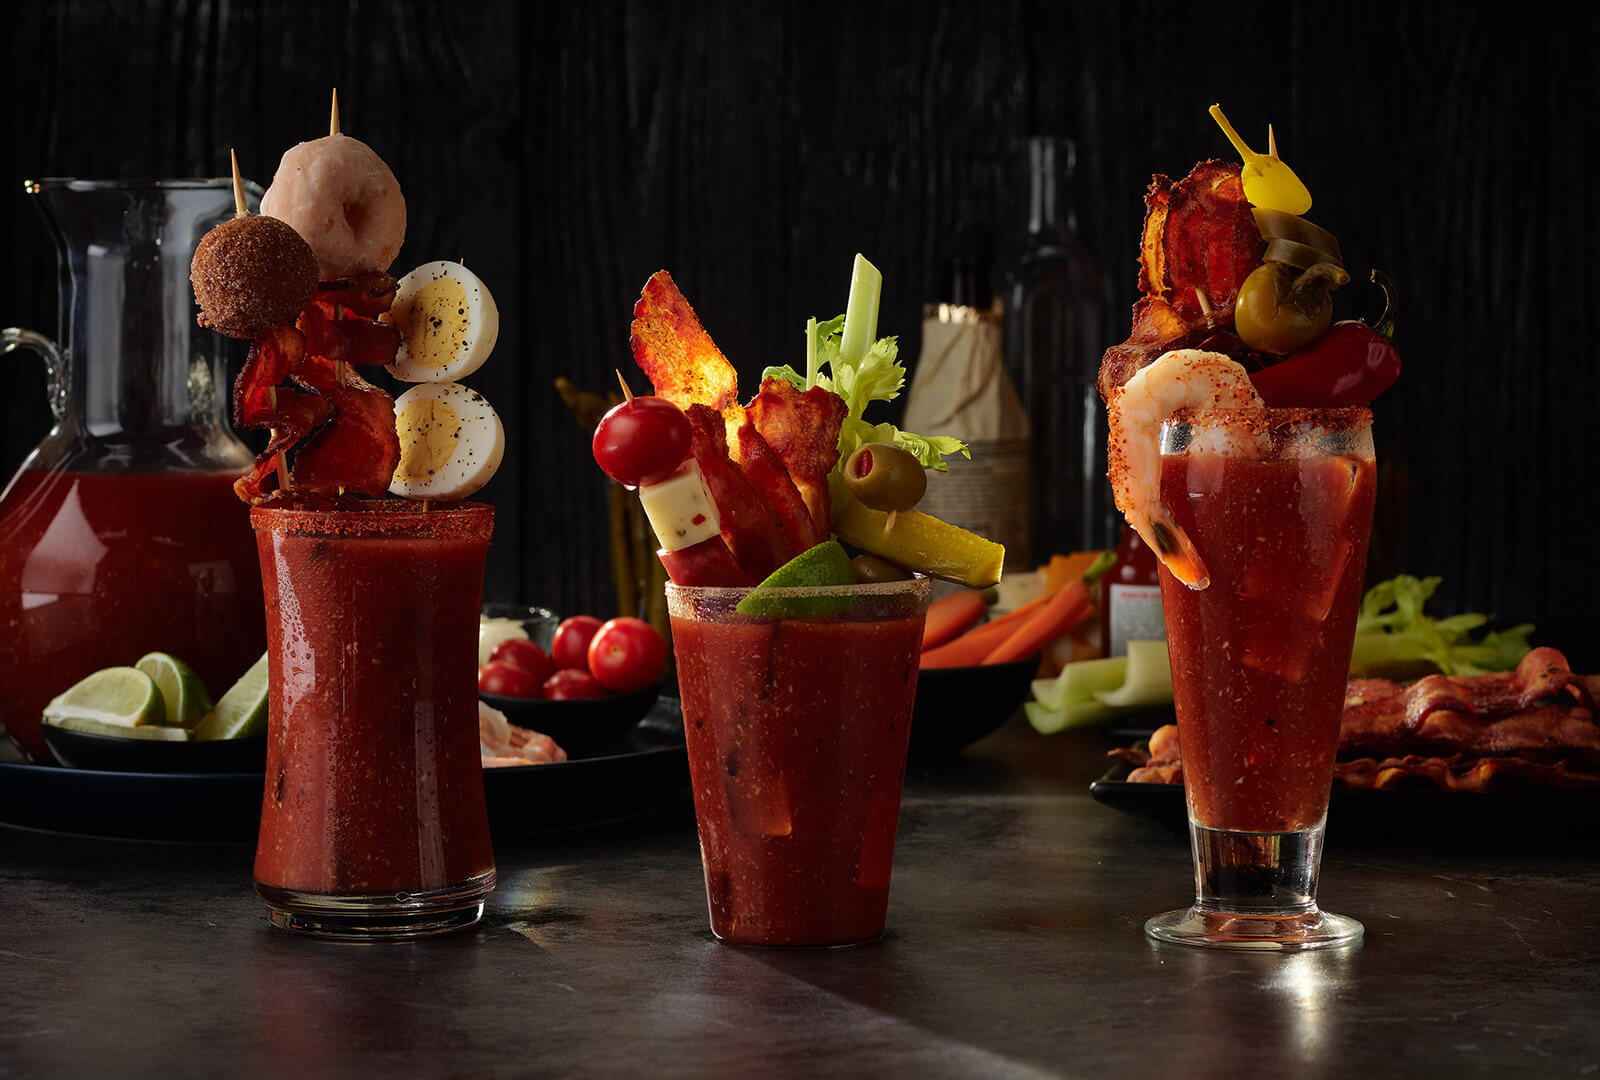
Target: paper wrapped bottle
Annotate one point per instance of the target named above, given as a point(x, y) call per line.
point(961, 388)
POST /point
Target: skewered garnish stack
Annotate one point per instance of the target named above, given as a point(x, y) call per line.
point(307, 281)
point(1229, 264)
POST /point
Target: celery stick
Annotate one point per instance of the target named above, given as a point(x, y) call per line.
point(1048, 721)
point(1079, 680)
point(861, 314)
point(813, 360)
point(1149, 680)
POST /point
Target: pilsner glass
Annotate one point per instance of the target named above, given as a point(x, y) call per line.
point(798, 722)
point(1278, 503)
point(373, 822)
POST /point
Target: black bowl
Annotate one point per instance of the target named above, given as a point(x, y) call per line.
point(958, 706)
point(582, 725)
point(110, 753)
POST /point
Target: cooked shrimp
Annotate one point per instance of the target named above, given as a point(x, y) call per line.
point(1181, 379)
point(501, 742)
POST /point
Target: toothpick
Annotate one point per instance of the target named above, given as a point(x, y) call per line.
point(239, 208)
point(333, 116)
point(626, 393)
point(1205, 301)
point(1272, 142)
point(283, 462)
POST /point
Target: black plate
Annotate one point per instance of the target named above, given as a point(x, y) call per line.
point(583, 726)
point(958, 706)
point(1403, 815)
point(81, 750)
point(647, 770)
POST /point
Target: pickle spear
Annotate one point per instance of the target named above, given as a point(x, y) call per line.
point(919, 542)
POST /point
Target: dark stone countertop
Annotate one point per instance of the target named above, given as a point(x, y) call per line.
point(1015, 949)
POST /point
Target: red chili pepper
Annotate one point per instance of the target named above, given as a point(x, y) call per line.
point(1349, 365)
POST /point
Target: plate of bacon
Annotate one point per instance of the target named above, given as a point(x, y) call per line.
point(1496, 753)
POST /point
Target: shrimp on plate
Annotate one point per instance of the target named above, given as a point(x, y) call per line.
point(1177, 380)
point(501, 742)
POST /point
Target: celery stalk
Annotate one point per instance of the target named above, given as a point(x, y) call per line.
point(813, 358)
point(861, 314)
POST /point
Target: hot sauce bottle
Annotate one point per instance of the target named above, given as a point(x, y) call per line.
point(1130, 597)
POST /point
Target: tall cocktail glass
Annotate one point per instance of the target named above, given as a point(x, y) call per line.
point(373, 824)
point(797, 723)
point(1279, 504)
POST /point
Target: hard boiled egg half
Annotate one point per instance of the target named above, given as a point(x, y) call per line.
point(447, 320)
point(451, 441)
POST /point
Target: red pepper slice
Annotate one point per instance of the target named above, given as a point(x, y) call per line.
point(1349, 365)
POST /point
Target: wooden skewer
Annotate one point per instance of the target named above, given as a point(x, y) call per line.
point(1272, 142)
point(239, 208)
point(627, 395)
point(333, 117)
point(1204, 300)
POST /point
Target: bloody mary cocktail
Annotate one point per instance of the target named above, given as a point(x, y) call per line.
point(373, 821)
point(1260, 659)
point(1278, 503)
point(797, 728)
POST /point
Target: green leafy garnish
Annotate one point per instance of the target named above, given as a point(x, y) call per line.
point(1392, 632)
point(876, 375)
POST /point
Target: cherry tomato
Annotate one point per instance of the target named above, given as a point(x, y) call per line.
point(627, 654)
point(526, 655)
point(570, 684)
point(502, 677)
point(570, 647)
point(642, 441)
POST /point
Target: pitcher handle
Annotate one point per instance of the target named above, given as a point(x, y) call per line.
point(55, 368)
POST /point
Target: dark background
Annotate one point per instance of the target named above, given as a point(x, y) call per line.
point(568, 151)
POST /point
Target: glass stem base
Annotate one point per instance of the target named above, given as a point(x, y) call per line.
point(387, 917)
point(1255, 891)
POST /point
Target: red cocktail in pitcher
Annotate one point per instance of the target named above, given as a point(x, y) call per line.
point(372, 821)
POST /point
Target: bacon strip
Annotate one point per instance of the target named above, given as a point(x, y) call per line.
point(272, 357)
point(803, 430)
point(770, 478)
point(357, 449)
point(295, 415)
point(1536, 724)
point(677, 355)
point(368, 294)
point(353, 341)
point(750, 526)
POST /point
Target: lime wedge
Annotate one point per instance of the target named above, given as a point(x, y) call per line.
point(185, 695)
point(123, 696)
point(242, 712)
point(157, 732)
point(822, 565)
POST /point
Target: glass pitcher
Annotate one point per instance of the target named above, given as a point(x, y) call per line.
point(120, 534)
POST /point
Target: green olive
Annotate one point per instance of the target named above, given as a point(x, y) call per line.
point(870, 568)
point(1280, 309)
point(884, 477)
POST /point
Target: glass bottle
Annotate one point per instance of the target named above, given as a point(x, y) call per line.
point(1056, 320)
point(120, 534)
point(1130, 597)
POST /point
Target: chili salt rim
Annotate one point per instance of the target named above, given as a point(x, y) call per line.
point(376, 519)
point(1260, 420)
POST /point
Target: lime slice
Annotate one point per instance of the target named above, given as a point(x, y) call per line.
point(822, 565)
point(123, 696)
point(185, 695)
point(157, 732)
point(242, 712)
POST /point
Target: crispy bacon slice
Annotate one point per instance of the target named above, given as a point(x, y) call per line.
point(369, 293)
point(272, 357)
point(1198, 234)
point(767, 473)
point(677, 355)
point(353, 340)
point(803, 430)
point(291, 418)
point(1535, 725)
point(357, 449)
point(750, 526)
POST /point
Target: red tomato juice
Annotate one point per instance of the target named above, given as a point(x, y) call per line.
point(97, 569)
point(1260, 658)
point(797, 731)
point(374, 783)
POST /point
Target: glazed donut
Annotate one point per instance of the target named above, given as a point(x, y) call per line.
point(251, 273)
point(339, 195)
